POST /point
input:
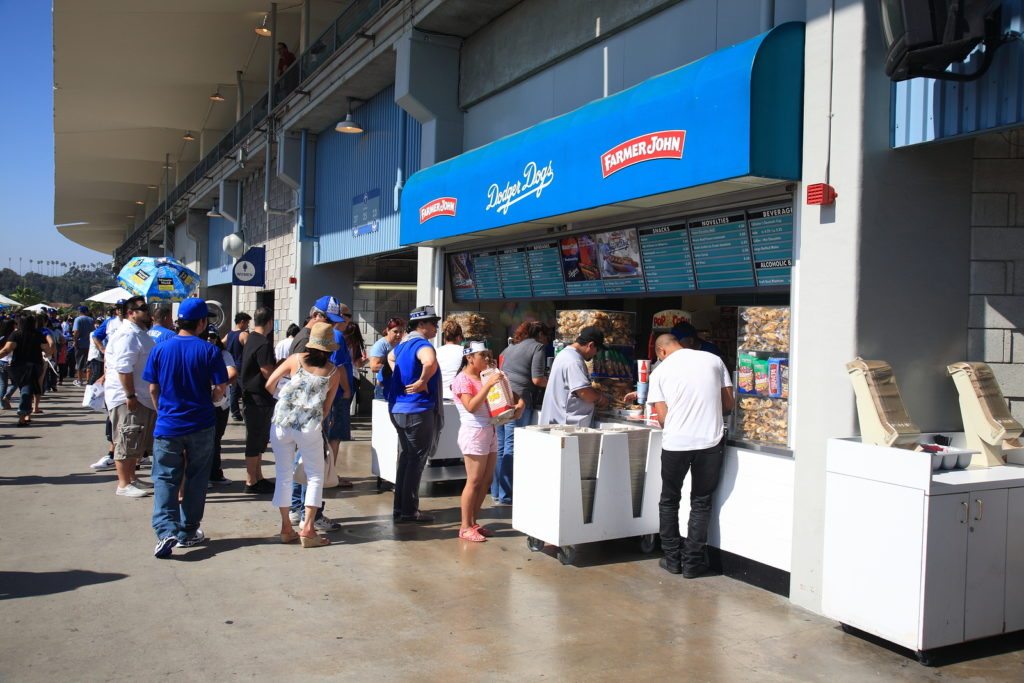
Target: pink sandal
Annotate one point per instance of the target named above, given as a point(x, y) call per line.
point(483, 531)
point(471, 534)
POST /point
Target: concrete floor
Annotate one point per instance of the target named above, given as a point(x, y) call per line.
point(82, 598)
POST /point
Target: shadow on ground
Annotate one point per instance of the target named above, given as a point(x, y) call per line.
point(32, 584)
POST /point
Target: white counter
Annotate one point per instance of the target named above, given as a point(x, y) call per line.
point(384, 446)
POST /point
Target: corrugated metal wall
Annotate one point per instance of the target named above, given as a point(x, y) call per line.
point(218, 263)
point(348, 166)
point(926, 110)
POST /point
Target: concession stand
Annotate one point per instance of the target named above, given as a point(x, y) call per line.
point(675, 195)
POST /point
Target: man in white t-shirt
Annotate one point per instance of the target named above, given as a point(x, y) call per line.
point(689, 391)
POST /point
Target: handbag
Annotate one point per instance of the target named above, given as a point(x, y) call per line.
point(93, 398)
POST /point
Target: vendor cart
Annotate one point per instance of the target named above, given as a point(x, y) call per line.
point(563, 500)
point(384, 448)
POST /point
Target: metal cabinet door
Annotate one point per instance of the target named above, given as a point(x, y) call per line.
point(945, 576)
point(1015, 561)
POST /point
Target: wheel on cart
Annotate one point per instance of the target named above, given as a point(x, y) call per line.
point(534, 544)
point(648, 543)
point(567, 554)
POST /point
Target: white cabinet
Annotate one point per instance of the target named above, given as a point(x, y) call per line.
point(920, 559)
point(1015, 560)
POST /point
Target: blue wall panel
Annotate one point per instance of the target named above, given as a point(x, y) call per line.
point(347, 166)
point(218, 263)
point(926, 110)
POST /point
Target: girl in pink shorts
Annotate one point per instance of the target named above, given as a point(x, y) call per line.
point(478, 438)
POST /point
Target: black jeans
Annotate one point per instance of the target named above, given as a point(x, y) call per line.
point(235, 400)
point(706, 466)
point(216, 471)
point(417, 439)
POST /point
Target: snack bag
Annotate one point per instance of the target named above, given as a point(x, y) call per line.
point(775, 366)
point(499, 396)
point(784, 381)
point(745, 372)
point(760, 376)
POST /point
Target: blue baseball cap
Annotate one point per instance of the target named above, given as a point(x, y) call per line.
point(193, 309)
point(330, 307)
point(83, 309)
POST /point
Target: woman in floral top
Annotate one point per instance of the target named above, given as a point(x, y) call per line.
point(478, 439)
point(295, 427)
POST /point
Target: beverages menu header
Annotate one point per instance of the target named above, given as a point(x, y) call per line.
point(718, 252)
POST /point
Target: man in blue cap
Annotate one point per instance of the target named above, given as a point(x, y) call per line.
point(186, 376)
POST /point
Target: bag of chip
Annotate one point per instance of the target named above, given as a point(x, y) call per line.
point(760, 376)
point(745, 372)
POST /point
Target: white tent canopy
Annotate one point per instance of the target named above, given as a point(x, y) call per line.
point(111, 296)
point(6, 301)
point(40, 308)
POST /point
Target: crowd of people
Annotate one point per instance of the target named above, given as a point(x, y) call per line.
point(171, 383)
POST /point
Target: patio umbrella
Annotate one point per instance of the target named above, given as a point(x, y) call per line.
point(40, 308)
point(111, 296)
point(158, 278)
point(6, 301)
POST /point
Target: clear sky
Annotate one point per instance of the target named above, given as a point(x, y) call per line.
point(26, 124)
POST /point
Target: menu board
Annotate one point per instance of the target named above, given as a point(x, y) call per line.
point(721, 252)
point(515, 276)
point(618, 254)
point(488, 279)
point(739, 250)
point(460, 268)
point(771, 237)
point(666, 256)
point(545, 270)
point(579, 265)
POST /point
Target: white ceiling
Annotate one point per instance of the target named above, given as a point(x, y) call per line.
point(130, 77)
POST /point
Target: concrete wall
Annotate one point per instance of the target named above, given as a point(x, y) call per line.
point(279, 241)
point(997, 262)
point(883, 273)
point(501, 62)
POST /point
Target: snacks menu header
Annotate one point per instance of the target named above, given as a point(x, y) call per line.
point(741, 249)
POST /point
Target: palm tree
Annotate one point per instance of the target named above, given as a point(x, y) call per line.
point(26, 296)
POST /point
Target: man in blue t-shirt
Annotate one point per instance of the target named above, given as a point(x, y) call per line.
point(186, 375)
point(81, 329)
point(163, 325)
point(340, 423)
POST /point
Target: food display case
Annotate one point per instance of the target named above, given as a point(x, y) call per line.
point(474, 325)
point(619, 327)
point(762, 376)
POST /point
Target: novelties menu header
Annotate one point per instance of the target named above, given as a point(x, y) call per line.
point(739, 249)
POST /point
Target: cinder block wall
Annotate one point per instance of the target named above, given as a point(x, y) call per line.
point(280, 244)
point(372, 308)
point(997, 262)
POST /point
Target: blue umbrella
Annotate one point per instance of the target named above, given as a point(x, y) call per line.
point(158, 278)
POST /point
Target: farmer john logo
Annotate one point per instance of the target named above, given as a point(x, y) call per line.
point(665, 144)
point(165, 284)
point(442, 206)
point(535, 179)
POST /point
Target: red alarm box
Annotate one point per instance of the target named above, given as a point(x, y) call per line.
point(821, 193)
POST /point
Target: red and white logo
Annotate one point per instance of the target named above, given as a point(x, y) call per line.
point(442, 206)
point(665, 144)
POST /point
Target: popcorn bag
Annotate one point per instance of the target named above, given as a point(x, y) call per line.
point(499, 398)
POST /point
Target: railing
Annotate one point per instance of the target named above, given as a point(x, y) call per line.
point(337, 35)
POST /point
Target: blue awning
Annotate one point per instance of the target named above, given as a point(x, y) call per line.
point(731, 120)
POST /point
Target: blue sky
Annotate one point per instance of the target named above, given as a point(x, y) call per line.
point(26, 122)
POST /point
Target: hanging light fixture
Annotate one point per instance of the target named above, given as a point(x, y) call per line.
point(188, 137)
point(140, 202)
point(216, 96)
point(347, 125)
point(262, 29)
point(213, 212)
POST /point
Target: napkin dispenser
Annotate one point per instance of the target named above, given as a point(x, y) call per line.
point(880, 410)
point(987, 419)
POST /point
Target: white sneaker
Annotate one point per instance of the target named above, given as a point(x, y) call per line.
point(146, 462)
point(195, 539)
point(132, 491)
point(104, 463)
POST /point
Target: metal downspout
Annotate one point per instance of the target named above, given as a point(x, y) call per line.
point(301, 222)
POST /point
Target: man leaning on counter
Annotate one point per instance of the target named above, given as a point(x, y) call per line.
point(570, 399)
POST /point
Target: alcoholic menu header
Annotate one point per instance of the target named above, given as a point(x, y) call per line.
point(728, 251)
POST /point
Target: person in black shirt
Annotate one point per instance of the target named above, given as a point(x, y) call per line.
point(258, 363)
point(234, 342)
point(26, 348)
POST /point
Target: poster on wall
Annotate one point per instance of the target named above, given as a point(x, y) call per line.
point(619, 258)
point(579, 265)
point(460, 267)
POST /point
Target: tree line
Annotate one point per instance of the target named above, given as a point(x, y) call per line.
point(68, 289)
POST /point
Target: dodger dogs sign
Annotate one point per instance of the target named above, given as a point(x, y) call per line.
point(535, 179)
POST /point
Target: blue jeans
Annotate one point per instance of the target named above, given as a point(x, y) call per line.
point(170, 518)
point(4, 371)
point(501, 486)
point(340, 428)
point(235, 401)
point(378, 391)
